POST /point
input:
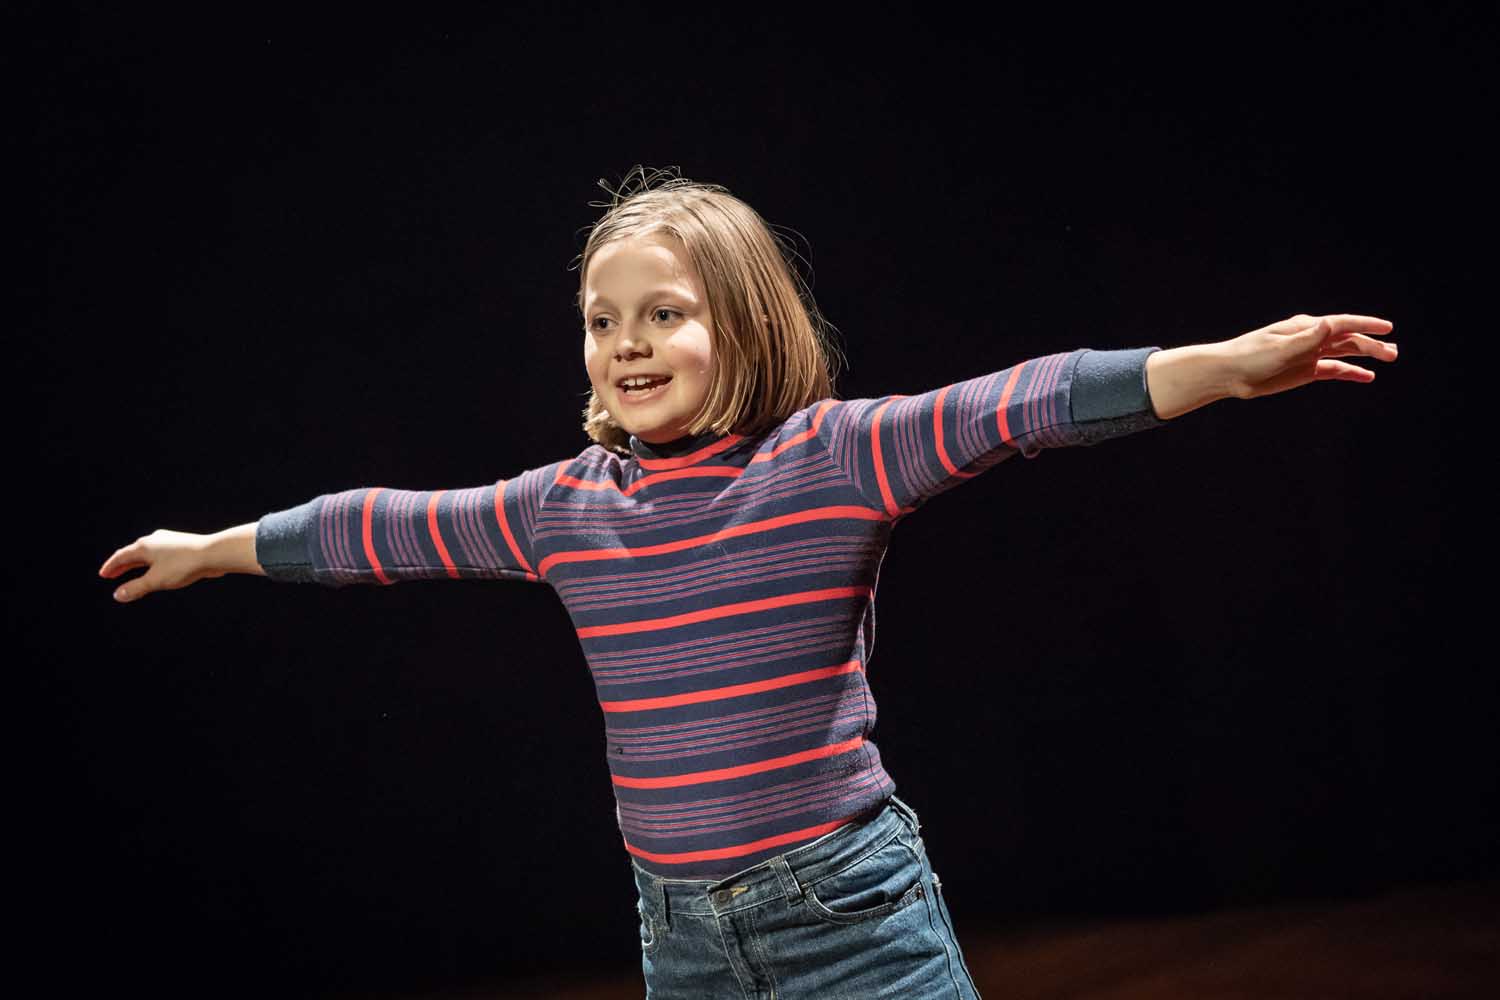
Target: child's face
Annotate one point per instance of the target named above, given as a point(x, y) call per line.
point(645, 313)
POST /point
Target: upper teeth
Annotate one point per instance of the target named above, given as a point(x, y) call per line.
point(639, 380)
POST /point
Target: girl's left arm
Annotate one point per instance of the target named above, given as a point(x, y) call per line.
point(1272, 359)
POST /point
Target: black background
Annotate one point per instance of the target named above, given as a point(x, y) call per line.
point(1230, 661)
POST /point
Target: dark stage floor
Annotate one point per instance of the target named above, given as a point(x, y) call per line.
point(1423, 942)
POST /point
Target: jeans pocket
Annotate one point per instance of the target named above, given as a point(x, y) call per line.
point(649, 935)
point(880, 883)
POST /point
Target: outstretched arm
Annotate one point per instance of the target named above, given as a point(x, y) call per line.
point(384, 536)
point(364, 535)
point(897, 451)
point(177, 559)
point(1275, 358)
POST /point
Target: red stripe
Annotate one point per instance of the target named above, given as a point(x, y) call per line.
point(891, 509)
point(734, 531)
point(510, 539)
point(818, 416)
point(937, 431)
point(725, 773)
point(587, 484)
point(367, 533)
point(795, 439)
point(707, 451)
point(738, 850)
point(731, 690)
point(437, 537)
point(1000, 420)
point(725, 471)
point(677, 468)
point(723, 611)
point(937, 437)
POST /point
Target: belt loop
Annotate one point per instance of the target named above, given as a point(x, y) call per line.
point(911, 814)
point(656, 892)
point(660, 889)
point(789, 884)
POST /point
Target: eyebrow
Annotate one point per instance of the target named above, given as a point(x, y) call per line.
point(600, 300)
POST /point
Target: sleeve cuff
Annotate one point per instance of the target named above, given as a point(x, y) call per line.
point(1109, 385)
point(281, 543)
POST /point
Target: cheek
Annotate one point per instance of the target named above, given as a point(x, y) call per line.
point(702, 368)
point(590, 358)
point(694, 354)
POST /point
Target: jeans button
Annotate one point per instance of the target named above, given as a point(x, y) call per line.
point(721, 896)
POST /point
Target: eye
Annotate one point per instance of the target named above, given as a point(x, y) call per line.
point(594, 324)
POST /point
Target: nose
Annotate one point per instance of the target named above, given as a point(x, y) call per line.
point(630, 342)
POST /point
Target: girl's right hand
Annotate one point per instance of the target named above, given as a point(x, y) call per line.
point(173, 560)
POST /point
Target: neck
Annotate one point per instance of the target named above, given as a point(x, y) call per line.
point(674, 448)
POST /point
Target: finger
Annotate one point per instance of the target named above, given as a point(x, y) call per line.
point(1358, 345)
point(1351, 323)
point(134, 590)
point(122, 559)
point(115, 569)
point(1337, 323)
point(1342, 372)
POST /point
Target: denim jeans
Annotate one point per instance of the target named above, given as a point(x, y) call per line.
point(858, 913)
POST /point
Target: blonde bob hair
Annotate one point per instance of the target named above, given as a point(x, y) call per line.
point(774, 351)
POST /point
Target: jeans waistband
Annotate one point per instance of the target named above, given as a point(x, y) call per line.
point(782, 876)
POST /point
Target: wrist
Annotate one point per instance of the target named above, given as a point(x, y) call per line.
point(1183, 379)
point(232, 551)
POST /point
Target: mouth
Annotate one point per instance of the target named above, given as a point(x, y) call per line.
point(639, 395)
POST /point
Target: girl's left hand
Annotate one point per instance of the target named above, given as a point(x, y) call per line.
point(1299, 350)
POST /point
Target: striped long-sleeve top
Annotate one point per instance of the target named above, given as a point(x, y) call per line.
point(723, 586)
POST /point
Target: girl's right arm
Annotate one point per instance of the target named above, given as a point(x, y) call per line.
point(365, 535)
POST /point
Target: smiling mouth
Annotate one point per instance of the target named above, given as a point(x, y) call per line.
point(644, 392)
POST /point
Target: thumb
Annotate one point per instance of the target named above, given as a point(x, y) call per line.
point(135, 589)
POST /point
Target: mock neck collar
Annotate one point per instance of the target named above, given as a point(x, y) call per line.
point(673, 449)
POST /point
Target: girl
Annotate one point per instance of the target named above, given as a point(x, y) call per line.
point(717, 547)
